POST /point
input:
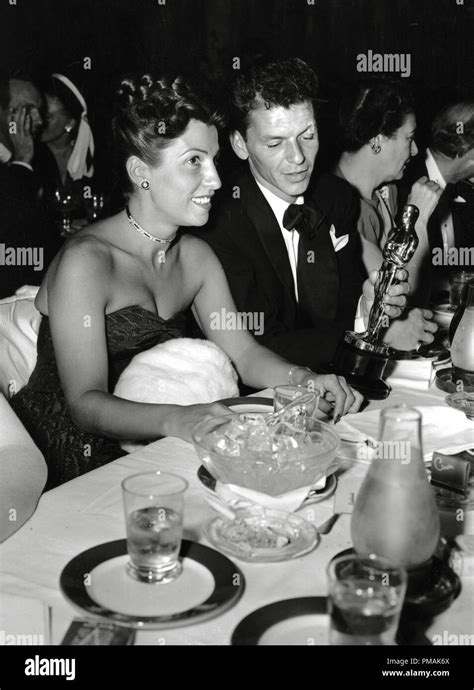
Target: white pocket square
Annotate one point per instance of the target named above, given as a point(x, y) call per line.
point(338, 242)
point(459, 200)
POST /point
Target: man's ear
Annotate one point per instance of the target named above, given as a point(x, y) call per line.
point(238, 144)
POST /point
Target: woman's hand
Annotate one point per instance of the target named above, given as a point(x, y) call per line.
point(183, 418)
point(425, 195)
point(333, 389)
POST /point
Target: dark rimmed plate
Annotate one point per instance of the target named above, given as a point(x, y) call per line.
point(250, 404)
point(222, 585)
point(252, 629)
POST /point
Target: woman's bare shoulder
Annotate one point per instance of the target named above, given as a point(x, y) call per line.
point(84, 260)
point(194, 249)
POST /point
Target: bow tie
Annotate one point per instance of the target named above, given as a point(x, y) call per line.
point(303, 218)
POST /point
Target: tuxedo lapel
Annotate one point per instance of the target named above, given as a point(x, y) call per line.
point(268, 230)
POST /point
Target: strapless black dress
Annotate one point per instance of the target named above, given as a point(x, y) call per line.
point(41, 406)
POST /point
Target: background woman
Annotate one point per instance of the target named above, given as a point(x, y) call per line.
point(121, 286)
point(378, 125)
point(65, 162)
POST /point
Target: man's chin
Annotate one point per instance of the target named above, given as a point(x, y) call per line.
point(296, 188)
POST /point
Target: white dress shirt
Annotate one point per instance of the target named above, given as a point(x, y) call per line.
point(447, 228)
point(291, 238)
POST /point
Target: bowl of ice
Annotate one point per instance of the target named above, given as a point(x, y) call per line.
point(247, 450)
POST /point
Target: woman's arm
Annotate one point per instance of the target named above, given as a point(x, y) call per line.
point(77, 302)
point(258, 367)
point(425, 195)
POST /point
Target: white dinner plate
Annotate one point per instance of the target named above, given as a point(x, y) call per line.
point(96, 581)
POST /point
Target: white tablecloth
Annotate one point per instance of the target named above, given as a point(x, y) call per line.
point(88, 511)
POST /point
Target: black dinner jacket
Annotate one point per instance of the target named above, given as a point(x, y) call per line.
point(246, 237)
point(22, 224)
point(462, 213)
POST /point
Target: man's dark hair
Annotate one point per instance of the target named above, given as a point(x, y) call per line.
point(276, 83)
point(5, 78)
point(452, 131)
point(371, 107)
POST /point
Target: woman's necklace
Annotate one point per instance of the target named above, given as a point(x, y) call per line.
point(143, 232)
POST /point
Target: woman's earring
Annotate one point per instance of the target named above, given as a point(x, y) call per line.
point(145, 184)
point(68, 128)
point(376, 148)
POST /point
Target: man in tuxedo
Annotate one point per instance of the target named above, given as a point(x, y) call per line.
point(449, 161)
point(291, 253)
point(22, 225)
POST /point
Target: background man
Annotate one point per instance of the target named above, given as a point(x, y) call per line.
point(21, 220)
point(449, 161)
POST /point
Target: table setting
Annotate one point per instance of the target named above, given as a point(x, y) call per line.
point(70, 560)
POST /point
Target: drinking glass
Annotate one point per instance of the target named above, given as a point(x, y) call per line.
point(457, 284)
point(64, 203)
point(283, 395)
point(365, 598)
point(154, 509)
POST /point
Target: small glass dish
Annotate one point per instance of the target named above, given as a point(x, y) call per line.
point(463, 401)
point(262, 535)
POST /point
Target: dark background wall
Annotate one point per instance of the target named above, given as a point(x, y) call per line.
point(203, 36)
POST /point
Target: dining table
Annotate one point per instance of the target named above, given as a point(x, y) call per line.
point(88, 511)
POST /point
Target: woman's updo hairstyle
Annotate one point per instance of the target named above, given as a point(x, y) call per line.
point(378, 106)
point(150, 113)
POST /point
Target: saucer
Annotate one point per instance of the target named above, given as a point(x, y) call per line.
point(464, 402)
point(96, 581)
point(299, 621)
point(262, 535)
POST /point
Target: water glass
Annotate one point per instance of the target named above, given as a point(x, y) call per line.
point(457, 284)
point(283, 395)
point(154, 510)
point(365, 598)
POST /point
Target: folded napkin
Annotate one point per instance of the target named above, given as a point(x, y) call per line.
point(23, 472)
point(442, 427)
point(411, 373)
point(240, 497)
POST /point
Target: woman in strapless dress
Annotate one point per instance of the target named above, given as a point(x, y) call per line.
point(121, 286)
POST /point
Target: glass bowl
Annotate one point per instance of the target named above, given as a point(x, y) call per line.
point(236, 449)
point(462, 401)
